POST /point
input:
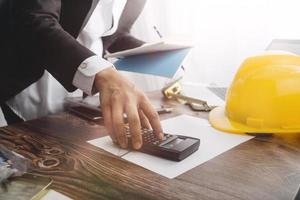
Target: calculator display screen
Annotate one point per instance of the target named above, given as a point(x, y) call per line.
point(173, 143)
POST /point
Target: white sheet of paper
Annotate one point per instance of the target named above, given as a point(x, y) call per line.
point(53, 195)
point(107, 144)
point(213, 143)
point(203, 93)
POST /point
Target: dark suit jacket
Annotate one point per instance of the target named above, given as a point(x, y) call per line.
point(38, 35)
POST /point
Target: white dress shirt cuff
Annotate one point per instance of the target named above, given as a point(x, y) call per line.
point(85, 74)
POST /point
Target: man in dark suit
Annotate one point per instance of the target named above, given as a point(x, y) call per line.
point(38, 35)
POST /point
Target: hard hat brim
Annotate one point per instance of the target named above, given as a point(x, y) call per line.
point(220, 121)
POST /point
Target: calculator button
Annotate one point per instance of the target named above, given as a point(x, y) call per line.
point(147, 134)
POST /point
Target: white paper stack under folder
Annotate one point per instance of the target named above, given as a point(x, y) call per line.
point(158, 46)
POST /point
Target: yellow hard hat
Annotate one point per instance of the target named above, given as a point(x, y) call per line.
point(264, 97)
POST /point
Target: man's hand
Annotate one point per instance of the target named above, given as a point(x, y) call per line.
point(119, 96)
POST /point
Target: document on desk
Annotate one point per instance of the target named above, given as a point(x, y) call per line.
point(213, 143)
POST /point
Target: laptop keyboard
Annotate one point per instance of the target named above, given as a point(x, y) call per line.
point(219, 91)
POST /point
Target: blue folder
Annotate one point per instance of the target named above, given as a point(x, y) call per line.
point(164, 63)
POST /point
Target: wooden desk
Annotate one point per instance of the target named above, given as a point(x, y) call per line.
point(262, 168)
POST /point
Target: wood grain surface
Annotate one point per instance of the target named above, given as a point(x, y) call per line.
point(262, 168)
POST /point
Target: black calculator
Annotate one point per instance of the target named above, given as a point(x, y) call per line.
point(172, 147)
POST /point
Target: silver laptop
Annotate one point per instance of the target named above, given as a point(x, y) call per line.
point(292, 46)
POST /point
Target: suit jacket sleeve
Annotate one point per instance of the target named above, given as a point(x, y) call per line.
point(40, 33)
point(122, 39)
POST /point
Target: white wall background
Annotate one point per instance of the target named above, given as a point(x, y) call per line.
point(224, 31)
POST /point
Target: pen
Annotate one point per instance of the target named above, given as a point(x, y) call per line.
point(157, 31)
